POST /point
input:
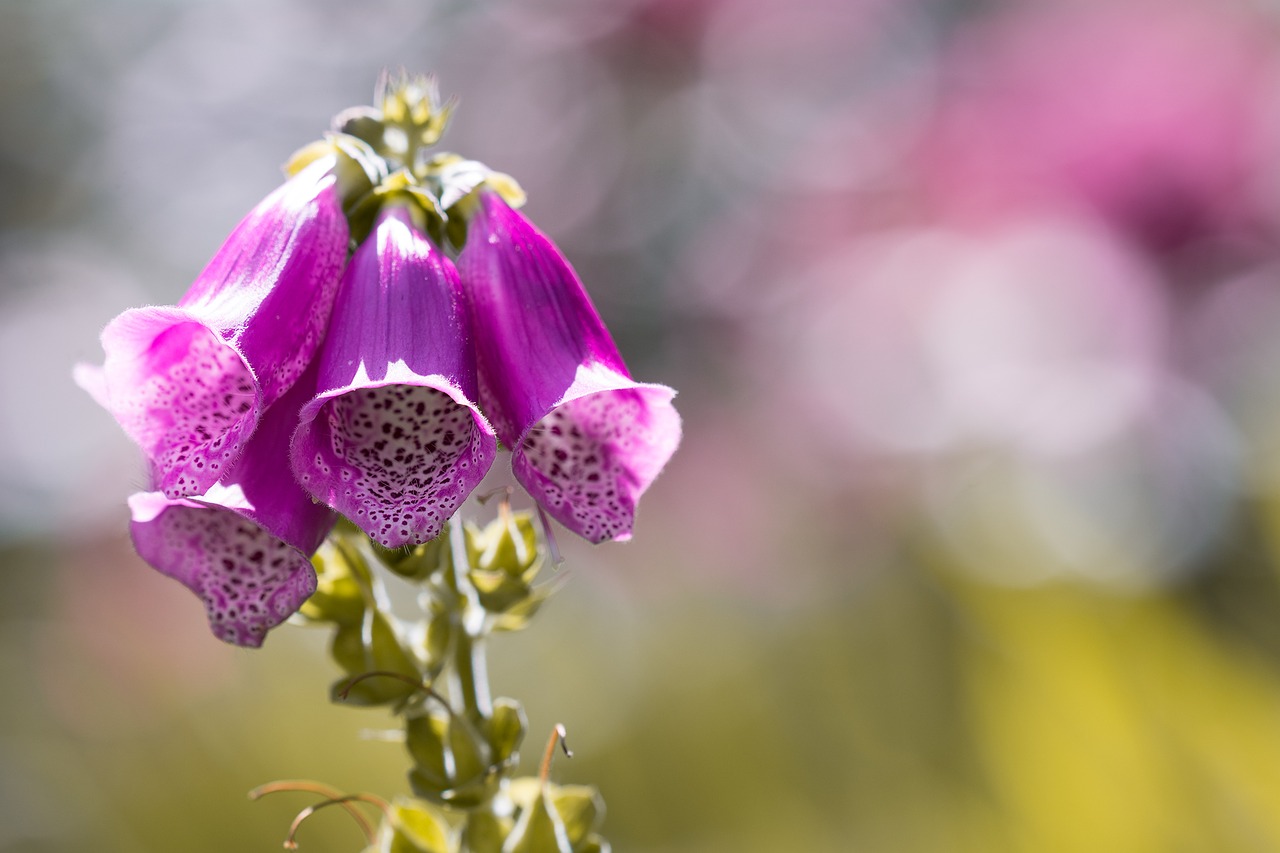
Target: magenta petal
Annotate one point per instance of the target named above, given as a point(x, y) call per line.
point(395, 442)
point(586, 439)
point(189, 383)
point(244, 546)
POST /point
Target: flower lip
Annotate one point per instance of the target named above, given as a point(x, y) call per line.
point(249, 579)
point(190, 382)
point(586, 439)
point(395, 442)
point(242, 547)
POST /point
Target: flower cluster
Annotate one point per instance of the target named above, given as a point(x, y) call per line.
point(360, 345)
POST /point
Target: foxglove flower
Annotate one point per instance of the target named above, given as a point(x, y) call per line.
point(189, 382)
point(244, 546)
point(394, 440)
point(586, 439)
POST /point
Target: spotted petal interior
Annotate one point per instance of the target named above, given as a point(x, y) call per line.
point(249, 580)
point(572, 462)
point(397, 460)
point(197, 401)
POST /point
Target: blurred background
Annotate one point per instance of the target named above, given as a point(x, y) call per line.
point(974, 308)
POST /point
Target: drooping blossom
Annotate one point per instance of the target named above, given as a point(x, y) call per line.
point(394, 440)
point(243, 546)
point(586, 439)
point(189, 382)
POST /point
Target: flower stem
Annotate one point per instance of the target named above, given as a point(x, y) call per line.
point(469, 675)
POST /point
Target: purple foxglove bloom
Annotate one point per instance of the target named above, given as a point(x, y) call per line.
point(394, 440)
point(244, 545)
point(189, 382)
point(586, 440)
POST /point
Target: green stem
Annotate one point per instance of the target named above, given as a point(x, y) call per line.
point(469, 675)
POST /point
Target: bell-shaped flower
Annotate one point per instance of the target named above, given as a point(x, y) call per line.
point(189, 382)
point(394, 440)
point(244, 546)
point(586, 440)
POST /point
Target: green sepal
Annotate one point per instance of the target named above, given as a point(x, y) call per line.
point(456, 180)
point(451, 760)
point(517, 616)
point(509, 544)
point(415, 827)
point(508, 561)
point(505, 730)
point(363, 122)
point(399, 187)
point(538, 829)
point(425, 739)
point(358, 169)
point(374, 645)
point(499, 592)
point(579, 808)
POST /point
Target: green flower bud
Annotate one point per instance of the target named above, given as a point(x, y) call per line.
point(579, 809)
point(508, 561)
point(411, 105)
point(538, 829)
point(417, 563)
point(505, 730)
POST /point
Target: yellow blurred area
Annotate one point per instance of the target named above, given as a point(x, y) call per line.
point(914, 711)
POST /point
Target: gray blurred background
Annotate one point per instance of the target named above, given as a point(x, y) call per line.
point(974, 309)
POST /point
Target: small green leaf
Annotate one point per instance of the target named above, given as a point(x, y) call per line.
point(425, 739)
point(469, 749)
point(451, 760)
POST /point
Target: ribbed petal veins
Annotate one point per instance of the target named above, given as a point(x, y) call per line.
point(244, 546)
point(189, 383)
point(395, 441)
point(586, 439)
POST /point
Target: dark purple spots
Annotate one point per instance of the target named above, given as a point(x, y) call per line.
point(394, 449)
point(570, 460)
point(200, 410)
point(248, 579)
